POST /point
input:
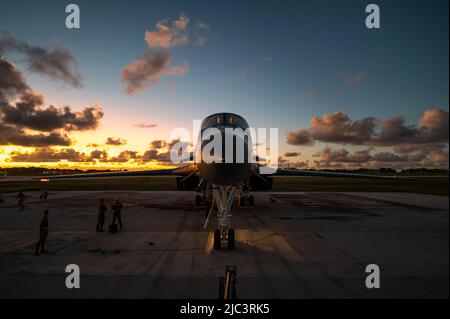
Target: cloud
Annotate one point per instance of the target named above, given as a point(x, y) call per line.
point(435, 154)
point(10, 135)
point(439, 158)
point(124, 157)
point(145, 125)
point(115, 141)
point(12, 82)
point(166, 36)
point(55, 62)
point(101, 155)
point(159, 150)
point(433, 125)
point(148, 69)
point(355, 79)
point(157, 144)
point(299, 137)
point(30, 113)
point(181, 23)
point(388, 157)
point(299, 165)
point(342, 158)
point(163, 144)
point(49, 155)
point(202, 29)
point(412, 148)
point(154, 155)
point(26, 121)
point(283, 163)
point(292, 154)
point(340, 129)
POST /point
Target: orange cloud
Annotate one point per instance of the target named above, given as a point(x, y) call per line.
point(115, 141)
point(340, 129)
point(166, 36)
point(148, 70)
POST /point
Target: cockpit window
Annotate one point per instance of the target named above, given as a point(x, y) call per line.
point(213, 121)
point(224, 118)
point(236, 121)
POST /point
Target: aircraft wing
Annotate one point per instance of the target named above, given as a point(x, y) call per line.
point(155, 172)
point(295, 172)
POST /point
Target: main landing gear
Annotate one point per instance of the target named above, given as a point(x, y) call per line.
point(223, 198)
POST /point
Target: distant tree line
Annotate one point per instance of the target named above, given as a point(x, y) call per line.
point(40, 171)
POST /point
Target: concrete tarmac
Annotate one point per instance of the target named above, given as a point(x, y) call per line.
point(291, 245)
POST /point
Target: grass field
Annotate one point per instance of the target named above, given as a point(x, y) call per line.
point(423, 185)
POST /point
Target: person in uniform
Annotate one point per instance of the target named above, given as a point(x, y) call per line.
point(101, 215)
point(43, 233)
point(44, 194)
point(117, 212)
point(21, 200)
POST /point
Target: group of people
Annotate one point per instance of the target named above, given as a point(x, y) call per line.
point(43, 225)
point(20, 197)
point(117, 214)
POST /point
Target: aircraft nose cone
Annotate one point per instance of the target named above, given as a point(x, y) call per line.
point(224, 173)
point(225, 158)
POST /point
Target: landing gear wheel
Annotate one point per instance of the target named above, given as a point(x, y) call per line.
point(217, 239)
point(251, 200)
point(231, 239)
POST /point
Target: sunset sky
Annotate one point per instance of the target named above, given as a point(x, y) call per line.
point(109, 94)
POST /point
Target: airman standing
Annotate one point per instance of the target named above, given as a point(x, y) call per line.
point(117, 212)
point(101, 215)
point(43, 233)
point(21, 200)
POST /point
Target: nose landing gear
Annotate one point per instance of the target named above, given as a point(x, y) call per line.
point(219, 236)
point(223, 197)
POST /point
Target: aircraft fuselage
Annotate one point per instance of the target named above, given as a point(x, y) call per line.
point(231, 164)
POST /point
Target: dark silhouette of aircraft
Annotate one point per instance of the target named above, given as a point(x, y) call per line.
point(218, 182)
